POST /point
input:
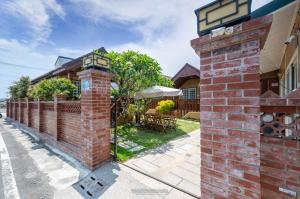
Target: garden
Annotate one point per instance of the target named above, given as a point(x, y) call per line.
point(138, 127)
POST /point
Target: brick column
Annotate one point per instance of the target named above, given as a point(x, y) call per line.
point(19, 111)
point(95, 116)
point(7, 108)
point(40, 118)
point(230, 110)
point(28, 112)
point(57, 113)
point(15, 111)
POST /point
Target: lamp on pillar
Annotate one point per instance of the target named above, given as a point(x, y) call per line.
point(96, 60)
point(95, 109)
point(222, 13)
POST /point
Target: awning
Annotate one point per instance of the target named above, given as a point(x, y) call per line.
point(158, 91)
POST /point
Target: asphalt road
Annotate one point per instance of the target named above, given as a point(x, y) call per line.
point(31, 183)
point(29, 170)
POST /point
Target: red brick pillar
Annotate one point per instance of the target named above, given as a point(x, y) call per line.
point(20, 111)
point(28, 112)
point(15, 111)
point(40, 118)
point(7, 108)
point(57, 113)
point(95, 116)
point(230, 110)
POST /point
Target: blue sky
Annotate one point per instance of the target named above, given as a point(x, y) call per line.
point(33, 33)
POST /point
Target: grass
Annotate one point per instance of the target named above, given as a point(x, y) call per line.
point(152, 139)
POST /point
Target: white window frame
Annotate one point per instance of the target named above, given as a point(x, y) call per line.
point(288, 77)
point(188, 96)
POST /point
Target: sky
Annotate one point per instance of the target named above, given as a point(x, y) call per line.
point(33, 33)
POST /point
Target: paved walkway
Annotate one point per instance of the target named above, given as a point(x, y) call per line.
point(177, 162)
point(29, 170)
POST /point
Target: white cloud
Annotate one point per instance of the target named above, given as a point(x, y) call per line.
point(36, 13)
point(167, 26)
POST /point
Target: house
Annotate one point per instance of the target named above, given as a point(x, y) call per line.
point(279, 58)
point(188, 80)
point(66, 67)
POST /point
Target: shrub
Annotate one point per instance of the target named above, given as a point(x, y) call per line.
point(165, 106)
point(48, 88)
point(19, 89)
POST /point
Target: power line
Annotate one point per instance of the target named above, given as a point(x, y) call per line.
point(22, 66)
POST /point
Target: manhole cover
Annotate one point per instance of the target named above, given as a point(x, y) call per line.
point(90, 186)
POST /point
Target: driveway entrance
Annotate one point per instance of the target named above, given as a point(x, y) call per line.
point(177, 163)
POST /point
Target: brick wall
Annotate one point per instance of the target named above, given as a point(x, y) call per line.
point(280, 167)
point(34, 120)
point(229, 110)
point(48, 124)
point(69, 124)
point(79, 128)
point(60, 129)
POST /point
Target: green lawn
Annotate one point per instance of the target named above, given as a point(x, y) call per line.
point(152, 139)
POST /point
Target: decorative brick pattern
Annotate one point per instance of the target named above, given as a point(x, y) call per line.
point(230, 116)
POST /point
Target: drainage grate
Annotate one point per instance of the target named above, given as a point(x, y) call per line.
point(90, 186)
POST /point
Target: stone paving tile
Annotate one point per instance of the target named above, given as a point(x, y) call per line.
point(151, 157)
point(191, 167)
point(145, 166)
point(163, 161)
point(194, 159)
point(177, 195)
point(190, 187)
point(136, 148)
point(125, 146)
point(187, 147)
point(187, 175)
point(172, 179)
point(177, 163)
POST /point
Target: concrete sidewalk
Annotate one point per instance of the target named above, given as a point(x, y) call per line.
point(177, 162)
point(41, 173)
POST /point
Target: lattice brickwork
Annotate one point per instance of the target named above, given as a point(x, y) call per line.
point(71, 107)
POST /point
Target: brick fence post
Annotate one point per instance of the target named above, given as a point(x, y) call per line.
point(15, 111)
point(7, 108)
point(95, 116)
point(28, 115)
point(57, 113)
point(230, 110)
point(19, 111)
point(40, 118)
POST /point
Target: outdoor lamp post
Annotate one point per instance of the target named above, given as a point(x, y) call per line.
point(222, 13)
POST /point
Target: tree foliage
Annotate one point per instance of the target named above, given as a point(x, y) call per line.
point(133, 72)
point(19, 89)
point(48, 88)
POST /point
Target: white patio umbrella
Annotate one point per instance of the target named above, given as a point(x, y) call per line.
point(158, 91)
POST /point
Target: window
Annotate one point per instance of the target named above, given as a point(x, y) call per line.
point(189, 93)
point(78, 85)
point(291, 76)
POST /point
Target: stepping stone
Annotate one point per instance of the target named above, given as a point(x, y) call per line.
point(130, 143)
point(121, 144)
point(137, 148)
